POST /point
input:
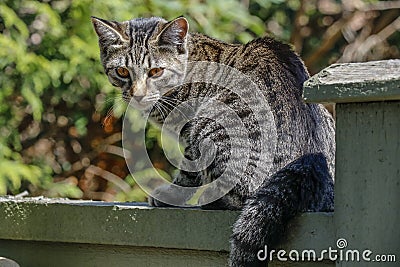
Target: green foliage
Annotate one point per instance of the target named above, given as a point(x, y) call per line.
point(53, 90)
point(42, 67)
point(12, 173)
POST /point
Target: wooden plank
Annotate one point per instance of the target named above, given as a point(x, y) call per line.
point(43, 254)
point(355, 82)
point(137, 234)
point(92, 222)
point(114, 224)
point(367, 189)
point(34, 253)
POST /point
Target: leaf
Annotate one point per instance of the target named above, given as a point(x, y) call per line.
point(11, 19)
point(64, 189)
point(14, 172)
point(33, 100)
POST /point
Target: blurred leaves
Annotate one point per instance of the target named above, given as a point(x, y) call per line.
point(13, 173)
point(60, 118)
point(328, 31)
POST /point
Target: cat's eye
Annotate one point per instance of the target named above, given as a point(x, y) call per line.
point(122, 72)
point(155, 72)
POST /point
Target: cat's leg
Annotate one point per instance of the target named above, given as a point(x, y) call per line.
point(174, 194)
point(184, 179)
point(303, 185)
point(230, 200)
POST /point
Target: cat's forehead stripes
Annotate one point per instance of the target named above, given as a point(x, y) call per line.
point(135, 51)
point(140, 32)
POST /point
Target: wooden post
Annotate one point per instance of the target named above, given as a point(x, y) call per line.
point(367, 186)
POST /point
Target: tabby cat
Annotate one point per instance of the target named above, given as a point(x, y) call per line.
point(147, 58)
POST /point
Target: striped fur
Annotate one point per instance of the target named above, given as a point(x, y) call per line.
point(303, 163)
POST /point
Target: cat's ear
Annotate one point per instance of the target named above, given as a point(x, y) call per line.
point(174, 32)
point(110, 30)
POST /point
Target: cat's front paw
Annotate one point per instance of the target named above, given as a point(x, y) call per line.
point(156, 203)
point(159, 193)
point(174, 196)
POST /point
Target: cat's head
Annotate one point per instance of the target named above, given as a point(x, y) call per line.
point(145, 57)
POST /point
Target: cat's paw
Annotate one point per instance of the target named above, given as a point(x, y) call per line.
point(159, 193)
point(157, 203)
point(174, 196)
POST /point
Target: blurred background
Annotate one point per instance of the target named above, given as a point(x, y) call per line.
point(60, 119)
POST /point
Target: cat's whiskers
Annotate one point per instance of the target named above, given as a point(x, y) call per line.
point(171, 103)
point(107, 101)
point(152, 98)
point(160, 110)
point(110, 113)
point(117, 100)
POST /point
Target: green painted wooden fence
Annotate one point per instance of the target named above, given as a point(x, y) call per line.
point(57, 232)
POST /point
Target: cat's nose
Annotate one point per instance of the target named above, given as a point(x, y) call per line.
point(138, 98)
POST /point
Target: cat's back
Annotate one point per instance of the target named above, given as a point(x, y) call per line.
point(264, 54)
point(279, 73)
point(269, 54)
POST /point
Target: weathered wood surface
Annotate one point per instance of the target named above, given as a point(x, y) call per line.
point(93, 222)
point(99, 233)
point(367, 178)
point(52, 254)
point(367, 188)
point(355, 82)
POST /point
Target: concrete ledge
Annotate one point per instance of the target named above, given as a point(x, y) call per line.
point(134, 230)
point(355, 82)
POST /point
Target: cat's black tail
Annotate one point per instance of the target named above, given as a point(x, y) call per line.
point(303, 185)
